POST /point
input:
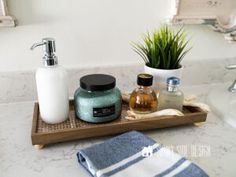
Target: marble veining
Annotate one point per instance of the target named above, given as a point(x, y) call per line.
point(20, 86)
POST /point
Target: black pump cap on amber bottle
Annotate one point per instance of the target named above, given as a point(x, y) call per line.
point(145, 80)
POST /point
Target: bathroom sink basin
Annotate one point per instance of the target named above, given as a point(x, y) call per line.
point(223, 103)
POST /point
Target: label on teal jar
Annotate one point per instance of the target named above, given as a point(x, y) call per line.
point(104, 111)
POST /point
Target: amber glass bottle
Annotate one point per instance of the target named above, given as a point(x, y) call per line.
point(143, 99)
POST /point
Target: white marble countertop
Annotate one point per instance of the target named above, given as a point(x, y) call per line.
point(19, 158)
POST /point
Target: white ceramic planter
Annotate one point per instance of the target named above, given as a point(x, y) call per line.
point(160, 75)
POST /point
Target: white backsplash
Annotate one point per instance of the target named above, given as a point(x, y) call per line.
point(20, 86)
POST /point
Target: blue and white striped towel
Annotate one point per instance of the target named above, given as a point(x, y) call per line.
point(124, 155)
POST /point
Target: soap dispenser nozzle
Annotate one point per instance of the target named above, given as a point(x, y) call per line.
point(49, 47)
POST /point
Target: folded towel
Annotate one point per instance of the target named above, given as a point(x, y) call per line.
point(165, 112)
point(134, 155)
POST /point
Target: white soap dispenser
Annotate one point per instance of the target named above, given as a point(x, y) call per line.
point(52, 85)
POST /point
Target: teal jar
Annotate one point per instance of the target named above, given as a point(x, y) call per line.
point(97, 100)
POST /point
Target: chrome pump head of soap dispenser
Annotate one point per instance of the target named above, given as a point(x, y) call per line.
point(49, 49)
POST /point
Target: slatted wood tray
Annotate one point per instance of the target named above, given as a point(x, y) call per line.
point(74, 128)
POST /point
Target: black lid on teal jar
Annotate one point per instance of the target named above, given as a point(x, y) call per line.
point(97, 82)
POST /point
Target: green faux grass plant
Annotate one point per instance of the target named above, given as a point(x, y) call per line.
point(163, 48)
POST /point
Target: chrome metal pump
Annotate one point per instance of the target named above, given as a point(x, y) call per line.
point(232, 88)
point(49, 49)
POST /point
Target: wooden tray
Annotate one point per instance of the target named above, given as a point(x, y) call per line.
point(73, 129)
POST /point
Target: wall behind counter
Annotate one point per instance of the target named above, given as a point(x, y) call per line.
point(93, 33)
